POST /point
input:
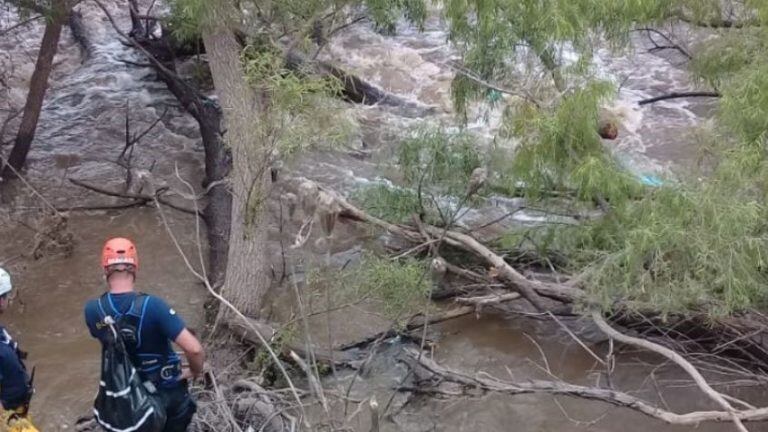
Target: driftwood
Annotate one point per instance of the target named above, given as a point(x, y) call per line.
point(436, 380)
point(354, 88)
point(677, 359)
point(531, 289)
point(138, 199)
point(678, 96)
point(80, 34)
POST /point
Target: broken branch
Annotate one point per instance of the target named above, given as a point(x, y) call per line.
point(434, 379)
point(677, 359)
point(677, 96)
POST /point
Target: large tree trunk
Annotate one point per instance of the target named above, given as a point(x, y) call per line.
point(246, 279)
point(37, 87)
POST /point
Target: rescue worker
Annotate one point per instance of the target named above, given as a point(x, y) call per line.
point(151, 327)
point(15, 386)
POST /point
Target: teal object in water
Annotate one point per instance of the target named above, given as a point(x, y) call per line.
point(651, 180)
point(494, 95)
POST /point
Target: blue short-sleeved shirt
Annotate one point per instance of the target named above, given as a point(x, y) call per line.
point(159, 324)
point(14, 381)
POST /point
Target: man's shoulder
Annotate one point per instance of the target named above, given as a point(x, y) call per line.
point(92, 309)
point(152, 300)
point(92, 304)
point(157, 305)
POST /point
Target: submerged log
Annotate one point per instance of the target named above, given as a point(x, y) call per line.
point(676, 95)
point(80, 34)
point(354, 88)
point(434, 379)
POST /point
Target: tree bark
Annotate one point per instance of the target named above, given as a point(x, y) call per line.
point(217, 212)
point(246, 281)
point(37, 87)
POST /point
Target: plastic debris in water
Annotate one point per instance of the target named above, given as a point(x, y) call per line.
point(494, 95)
point(651, 180)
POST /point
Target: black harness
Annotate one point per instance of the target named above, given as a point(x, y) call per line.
point(156, 368)
point(23, 405)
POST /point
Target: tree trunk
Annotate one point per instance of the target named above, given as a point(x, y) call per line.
point(37, 87)
point(218, 211)
point(246, 279)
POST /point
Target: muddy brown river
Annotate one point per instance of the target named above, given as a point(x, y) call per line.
point(81, 130)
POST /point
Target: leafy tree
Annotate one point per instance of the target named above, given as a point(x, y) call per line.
point(56, 13)
point(268, 107)
point(689, 245)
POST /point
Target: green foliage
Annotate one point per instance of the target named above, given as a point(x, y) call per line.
point(433, 171)
point(401, 286)
point(389, 203)
point(560, 149)
point(744, 107)
point(299, 18)
point(438, 158)
point(493, 34)
point(695, 246)
point(385, 13)
point(299, 111)
point(718, 60)
point(674, 250)
point(186, 18)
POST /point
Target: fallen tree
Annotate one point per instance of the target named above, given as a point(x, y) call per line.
point(738, 336)
point(436, 380)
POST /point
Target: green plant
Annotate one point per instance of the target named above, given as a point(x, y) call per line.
point(399, 286)
point(387, 202)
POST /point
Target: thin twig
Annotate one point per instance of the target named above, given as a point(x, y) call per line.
point(231, 307)
point(577, 339)
point(3, 32)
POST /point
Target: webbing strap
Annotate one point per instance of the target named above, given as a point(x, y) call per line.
point(136, 308)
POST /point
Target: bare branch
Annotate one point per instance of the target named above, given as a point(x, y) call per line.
point(432, 376)
point(478, 80)
point(676, 95)
point(3, 32)
point(671, 44)
point(677, 359)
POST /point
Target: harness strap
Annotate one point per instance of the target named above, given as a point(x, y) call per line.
point(154, 367)
point(136, 309)
point(137, 306)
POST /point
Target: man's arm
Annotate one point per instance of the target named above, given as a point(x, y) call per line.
point(193, 350)
point(174, 329)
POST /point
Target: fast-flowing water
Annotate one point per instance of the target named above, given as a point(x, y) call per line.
point(82, 129)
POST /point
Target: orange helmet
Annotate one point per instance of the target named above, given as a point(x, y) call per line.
point(119, 251)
